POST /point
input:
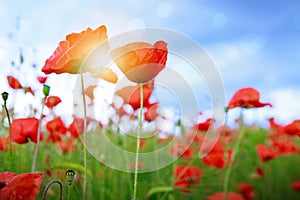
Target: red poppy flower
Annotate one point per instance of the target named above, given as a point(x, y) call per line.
point(246, 190)
point(24, 128)
point(265, 153)
point(20, 186)
point(216, 156)
point(56, 128)
point(67, 145)
point(246, 98)
point(4, 143)
point(204, 126)
point(181, 150)
point(285, 147)
point(52, 101)
point(42, 79)
point(14, 83)
point(131, 95)
point(293, 128)
point(260, 172)
point(139, 61)
point(296, 185)
point(230, 196)
point(28, 89)
point(187, 176)
point(151, 114)
point(76, 128)
point(70, 54)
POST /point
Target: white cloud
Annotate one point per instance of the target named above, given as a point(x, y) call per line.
point(286, 107)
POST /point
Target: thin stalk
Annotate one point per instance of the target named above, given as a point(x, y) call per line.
point(38, 137)
point(235, 152)
point(138, 143)
point(49, 185)
point(5, 94)
point(84, 139)
point(69, 192)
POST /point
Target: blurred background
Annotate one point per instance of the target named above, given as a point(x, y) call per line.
point(252, 43)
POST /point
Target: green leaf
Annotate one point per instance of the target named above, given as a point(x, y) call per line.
point(159, 189)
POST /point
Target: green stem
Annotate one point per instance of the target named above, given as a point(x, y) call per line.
point(49, 185)
point(69, 192)
point(138, 143)
point(9, 133)
point(235, 152)
point(38, 137)
point(84, 139)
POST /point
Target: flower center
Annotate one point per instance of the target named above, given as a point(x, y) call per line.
point(2, 185)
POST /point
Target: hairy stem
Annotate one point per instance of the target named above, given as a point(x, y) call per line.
point(49, 185)
point(38, 137)
point(84, 139)
point(138, 143)
point(235, 151)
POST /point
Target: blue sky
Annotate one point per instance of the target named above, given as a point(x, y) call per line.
point(253, 43)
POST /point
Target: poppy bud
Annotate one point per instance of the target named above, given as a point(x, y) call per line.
point(46, 90)
point(4, 96)
point(70, 175)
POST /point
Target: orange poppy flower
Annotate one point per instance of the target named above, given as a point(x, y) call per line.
point(42, 79)
point(140, 61)
point(71, 53)
point(20, 186)
point(247, 190)
point(131, 95)
point(246, 98)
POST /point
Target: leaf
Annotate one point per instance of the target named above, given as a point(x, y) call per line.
point(160, 189)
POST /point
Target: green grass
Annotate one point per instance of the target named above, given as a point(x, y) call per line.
point(107, 183)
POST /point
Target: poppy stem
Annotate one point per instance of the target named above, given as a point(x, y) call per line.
point(235, 152)
point(138, 143)
point(5, 97)
point(84, 139)
point(46, 90)
point(49, 185)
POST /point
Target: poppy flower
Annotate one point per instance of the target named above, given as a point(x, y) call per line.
point(284, 147)
point(260, 172)
point(52, 101)
point(14, 83)
point(246, 98)
point(265, 153)
point(89, 91)
point(230, 196)
point(296, 185)
point(67, 145)
point(71, 53)
point(246, 190)
point(76, 128)
point(187, 176)
point(181, 150)
point(217, 157)
point(139, 61)
point(204, 126)
point(29, 90)
point(131, 95)
point(151, 113)
point(4, 143)
point(20, 186)
point(42, 79)
point(56, 128)
point(293, 128)
point(24, 128)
